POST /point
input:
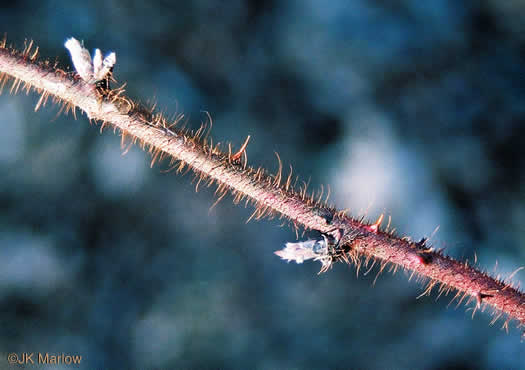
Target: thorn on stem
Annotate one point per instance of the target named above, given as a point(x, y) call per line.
point(238, 155)
point(375, 226)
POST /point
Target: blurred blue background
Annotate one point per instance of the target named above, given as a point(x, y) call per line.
point(411, 108)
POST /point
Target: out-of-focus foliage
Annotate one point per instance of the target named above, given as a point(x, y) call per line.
point(412, 108)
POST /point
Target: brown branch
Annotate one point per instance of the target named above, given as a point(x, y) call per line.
point(345, 238)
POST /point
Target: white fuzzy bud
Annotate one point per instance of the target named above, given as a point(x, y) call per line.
point(81, 59)
point(307, 250)
point(90, 71)
point(97, 63)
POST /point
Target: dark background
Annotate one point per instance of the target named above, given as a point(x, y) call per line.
point(411, 108)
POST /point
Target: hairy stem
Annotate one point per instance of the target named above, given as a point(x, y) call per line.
point(351, 240)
